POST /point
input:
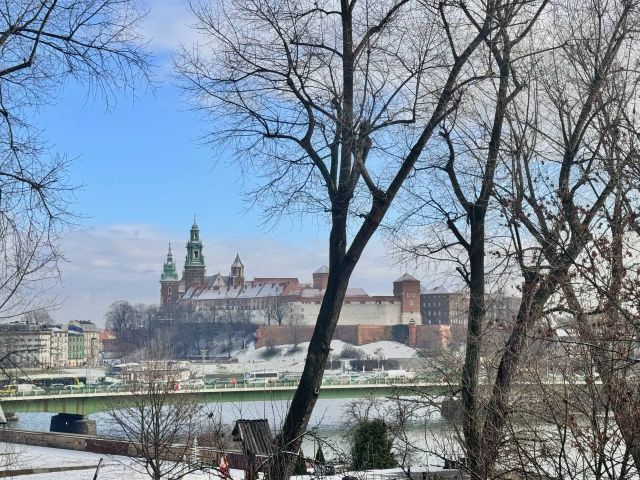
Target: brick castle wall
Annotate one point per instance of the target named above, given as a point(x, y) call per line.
point(432, 338)
point(353, 334)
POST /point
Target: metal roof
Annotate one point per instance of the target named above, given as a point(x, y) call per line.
point(255, 436)
point(237, 262)
point(406, 278)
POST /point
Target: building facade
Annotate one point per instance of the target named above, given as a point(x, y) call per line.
point(91, 337)
point(50, 346)
point(276, 300)
point(76, 356)
point(441, 306)
point(288, 301)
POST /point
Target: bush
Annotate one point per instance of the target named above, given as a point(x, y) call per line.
point(372, 446)
point(270, 351)
point(293, 349)
point(349, 352)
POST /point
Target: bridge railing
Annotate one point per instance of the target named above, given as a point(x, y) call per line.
point(225, 386)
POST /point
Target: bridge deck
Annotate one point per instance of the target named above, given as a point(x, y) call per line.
point(85, 401)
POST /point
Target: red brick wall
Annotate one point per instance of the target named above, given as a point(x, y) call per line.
point(165, 295)
point(409, 293)
point(320, 280)
point(354, 334)
point(193, 276)
point(432, 338)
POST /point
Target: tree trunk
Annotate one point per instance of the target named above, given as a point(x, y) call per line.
point(304, 400)
point(471, 420)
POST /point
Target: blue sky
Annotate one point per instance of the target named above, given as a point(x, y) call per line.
point(144, 174)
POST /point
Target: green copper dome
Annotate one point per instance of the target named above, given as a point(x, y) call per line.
point(169, 270)
point(194, 258)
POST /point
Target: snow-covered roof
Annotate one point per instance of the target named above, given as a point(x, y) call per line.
point(250, 290)
point(440, 289)
point(316, 292)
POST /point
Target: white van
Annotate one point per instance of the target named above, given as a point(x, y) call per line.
point(28, 388)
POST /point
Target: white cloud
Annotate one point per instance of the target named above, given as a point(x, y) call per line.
point(124, 262)
point(168, 25)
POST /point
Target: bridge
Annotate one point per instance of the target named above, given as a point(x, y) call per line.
point(91, 400)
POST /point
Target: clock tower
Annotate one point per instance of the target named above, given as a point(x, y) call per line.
point(169, 282)
point(194, 261)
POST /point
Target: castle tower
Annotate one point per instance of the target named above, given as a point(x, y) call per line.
point(321, 278)
point(407, 289)
point(169, 282)
point(194, 261)
point(237, 272)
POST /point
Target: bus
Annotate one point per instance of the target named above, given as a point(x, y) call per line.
point(46, 380)
point(261, 377)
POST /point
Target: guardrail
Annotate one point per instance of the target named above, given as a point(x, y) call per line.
point(249, 386)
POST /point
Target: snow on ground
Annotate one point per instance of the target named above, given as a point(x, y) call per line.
point(117, 468)
point(388, 349)
point(252, 358)
point(113, 467)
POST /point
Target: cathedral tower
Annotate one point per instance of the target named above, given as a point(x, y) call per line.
point(194, 262)
point(237, 272)
point(169, 282)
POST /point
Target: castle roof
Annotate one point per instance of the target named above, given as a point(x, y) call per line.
point(435, 290)
point(322, 269)
point(406, 278)
point(169, 268)
point(237, 262)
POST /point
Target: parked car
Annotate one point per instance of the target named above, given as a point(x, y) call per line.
point(28, 388)
point(196, 383)
point(74, 387)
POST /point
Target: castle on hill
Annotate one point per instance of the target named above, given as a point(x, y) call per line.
point(277, 300)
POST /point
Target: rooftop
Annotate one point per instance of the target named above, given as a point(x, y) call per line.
point(406, 278)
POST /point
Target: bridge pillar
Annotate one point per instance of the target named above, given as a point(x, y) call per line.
point(70, 423)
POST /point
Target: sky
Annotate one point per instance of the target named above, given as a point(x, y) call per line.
point(144, 172)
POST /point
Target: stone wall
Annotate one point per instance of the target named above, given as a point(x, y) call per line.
point(106, 446)
point(371, 312)
point(353, 334)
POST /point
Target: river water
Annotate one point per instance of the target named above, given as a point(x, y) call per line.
point(329, 423)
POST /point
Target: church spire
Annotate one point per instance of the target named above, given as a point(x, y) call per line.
point(169, 269)
point(237, 272)
point(194, 261)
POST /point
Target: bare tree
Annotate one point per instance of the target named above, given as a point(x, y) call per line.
point(44, 44)
point(566, 157)
point(38, 317)
point(160, 424)
point(333, 102)
point(119, 317)
point(275, 310)
point(541, 159)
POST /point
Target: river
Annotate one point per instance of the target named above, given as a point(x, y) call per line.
point(329, 422)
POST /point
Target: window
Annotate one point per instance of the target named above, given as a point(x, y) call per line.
point(195, 253)
point(169, 290)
